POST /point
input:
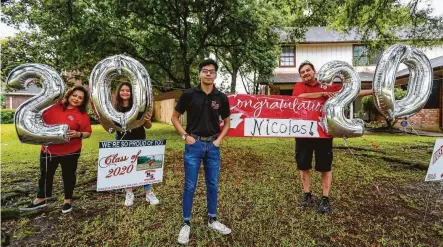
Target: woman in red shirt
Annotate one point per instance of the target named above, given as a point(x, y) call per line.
point(72, 110)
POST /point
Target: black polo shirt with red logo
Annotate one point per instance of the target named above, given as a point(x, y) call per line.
point(203, 110)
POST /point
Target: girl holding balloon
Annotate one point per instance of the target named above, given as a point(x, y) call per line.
point(123, 103)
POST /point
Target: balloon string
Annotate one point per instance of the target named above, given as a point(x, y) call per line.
point(346, 144)
point(438, 197)
point(46, 151)
point(412, 128)
point(364, 168)
point(124, 133)
point(428, 196)
point(115, 212)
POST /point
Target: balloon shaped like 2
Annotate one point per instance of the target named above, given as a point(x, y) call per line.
point(334, 119)
point(100, 90)
point(28, 119)
point(419, 84)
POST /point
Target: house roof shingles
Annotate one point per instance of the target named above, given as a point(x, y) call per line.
point(436, 64)
point(31, 90)
point(295, 77)
point(324, 35)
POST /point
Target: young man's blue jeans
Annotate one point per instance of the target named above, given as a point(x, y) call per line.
point(210, 155)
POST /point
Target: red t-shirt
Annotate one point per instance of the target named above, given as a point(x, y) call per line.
point(301, 87)
point(75, 119)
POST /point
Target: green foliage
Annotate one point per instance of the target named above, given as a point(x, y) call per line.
point(369, 108)
point(92, 116)
point(255, 46)
point(399, 93)
point(2, 101)
point(24, 48)
point(7, 116)
point(383, 23)
point(169, 37)
point(378, 23)
point(367, 103)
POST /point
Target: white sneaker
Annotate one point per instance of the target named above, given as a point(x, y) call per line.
point(151, 199)
point(219, 227)
point(129, 201)
point(183, 236)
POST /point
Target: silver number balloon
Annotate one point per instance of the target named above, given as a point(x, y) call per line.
point(28, 119)
point(419, 84)
point(335, 121)
point(100, 89)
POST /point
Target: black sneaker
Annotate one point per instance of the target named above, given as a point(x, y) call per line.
point(307, 200)
point(325, 206)
point(33, 206)
point(66, 208)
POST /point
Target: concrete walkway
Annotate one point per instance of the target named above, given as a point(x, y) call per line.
point(409, 131)
point(424, 133)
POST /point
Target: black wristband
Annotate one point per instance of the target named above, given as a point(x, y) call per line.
point(81, 135)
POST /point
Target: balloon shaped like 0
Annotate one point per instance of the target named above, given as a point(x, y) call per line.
point(419, 84)
point(100, 91)
point(334, 119)
point(28, 119)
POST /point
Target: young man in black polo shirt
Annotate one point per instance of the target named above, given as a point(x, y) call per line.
point(204, 105)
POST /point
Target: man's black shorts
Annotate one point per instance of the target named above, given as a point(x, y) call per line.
point(304, 148)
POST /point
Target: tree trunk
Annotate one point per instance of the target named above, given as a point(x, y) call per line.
point(390, 123)
point(187, 76)
point(233, 79)
point(256, 84)
point(256, 88)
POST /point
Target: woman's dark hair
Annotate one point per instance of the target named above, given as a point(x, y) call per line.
point(84, 106)
point(118, 100)
point(206, 62)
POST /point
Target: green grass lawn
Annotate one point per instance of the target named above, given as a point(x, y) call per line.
point(379, 197)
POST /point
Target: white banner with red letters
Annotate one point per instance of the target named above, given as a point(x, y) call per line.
point(435, 169)
point(131, 163)
point(275, 116)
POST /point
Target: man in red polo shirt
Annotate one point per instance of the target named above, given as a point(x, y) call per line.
point(305, 147)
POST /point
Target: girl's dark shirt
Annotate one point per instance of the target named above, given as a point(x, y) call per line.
point(134, 134)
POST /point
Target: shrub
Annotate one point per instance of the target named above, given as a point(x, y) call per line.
point(7, 116)
point(92, 116)
point(369, 109)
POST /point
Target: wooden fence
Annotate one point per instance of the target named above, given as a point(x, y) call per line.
point(163, 111)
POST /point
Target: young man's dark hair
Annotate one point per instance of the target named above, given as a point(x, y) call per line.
point(306, 63)
point(206, 62)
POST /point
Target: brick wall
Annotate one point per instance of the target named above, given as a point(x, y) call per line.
point(12, 102)
point(426, 118)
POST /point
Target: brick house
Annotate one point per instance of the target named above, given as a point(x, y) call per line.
point(430, 117)
point(321, 46)
point(15, 99)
